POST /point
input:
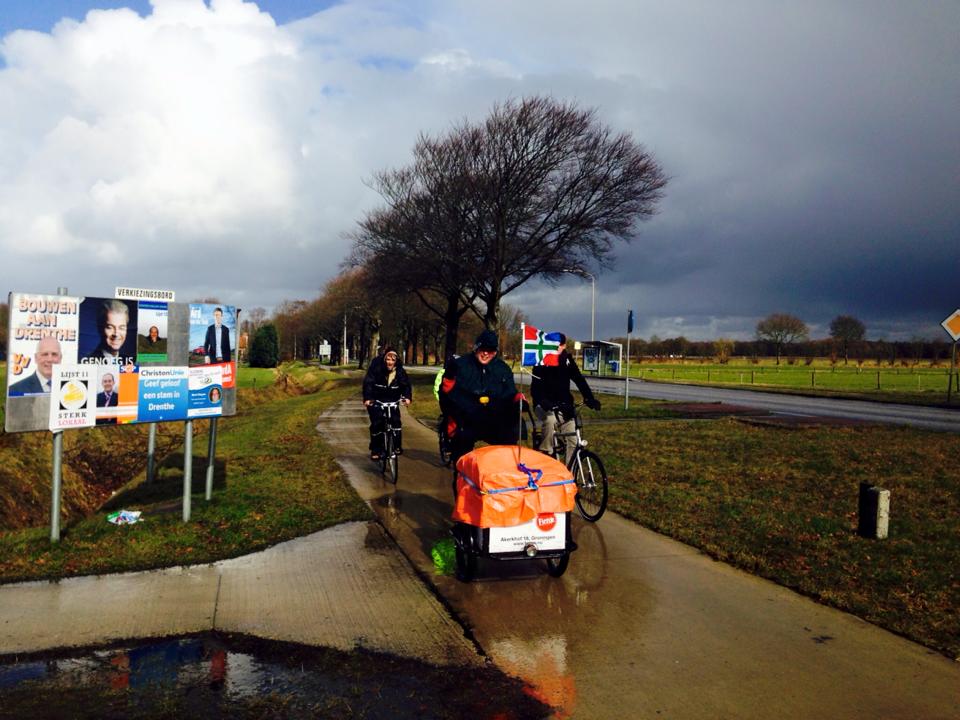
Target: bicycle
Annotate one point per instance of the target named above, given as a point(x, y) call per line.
point(585, 465)
point(446, 450)
point(389, 456)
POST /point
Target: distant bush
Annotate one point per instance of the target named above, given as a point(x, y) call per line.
point(265, 350)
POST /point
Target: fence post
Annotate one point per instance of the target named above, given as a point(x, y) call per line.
point(813, 378)
point(878, 379)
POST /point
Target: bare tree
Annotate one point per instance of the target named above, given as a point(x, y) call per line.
point(781, 329)
point(846, 330)
point(540, 188)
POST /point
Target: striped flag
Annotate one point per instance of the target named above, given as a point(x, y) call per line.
point(539, 347)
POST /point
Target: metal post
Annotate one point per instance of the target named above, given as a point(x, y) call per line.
point(211, 454)
point(593, 306)
point(57, 473)
point(151, 452)
point(55, 487)
point(187, 467)
point(953, 370)
point(626, 379)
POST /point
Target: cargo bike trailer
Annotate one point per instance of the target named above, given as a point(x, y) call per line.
point(512, 504)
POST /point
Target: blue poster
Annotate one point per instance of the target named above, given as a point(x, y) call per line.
point(206, 391)
point(163, 394)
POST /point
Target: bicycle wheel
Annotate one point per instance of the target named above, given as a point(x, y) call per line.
point(558, 566)
point(591, 481)
point(390, 457)
point(445, 453)
point(385, 452)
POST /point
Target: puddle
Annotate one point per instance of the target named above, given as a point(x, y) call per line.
point(230, 676)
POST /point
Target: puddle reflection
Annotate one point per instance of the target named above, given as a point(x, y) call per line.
point(237, 676)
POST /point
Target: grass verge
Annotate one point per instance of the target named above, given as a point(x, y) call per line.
point(275, 480)
point(782, 503)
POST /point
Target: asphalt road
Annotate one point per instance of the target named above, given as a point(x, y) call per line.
point(928, 418)
point(641, 626)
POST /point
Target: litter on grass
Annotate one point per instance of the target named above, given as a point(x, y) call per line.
point(124, 517)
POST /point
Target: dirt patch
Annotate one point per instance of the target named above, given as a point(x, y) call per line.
point(803, 421)
point(712, 410)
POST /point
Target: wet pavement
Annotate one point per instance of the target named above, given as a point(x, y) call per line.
point(345, 587)
point(642, 626)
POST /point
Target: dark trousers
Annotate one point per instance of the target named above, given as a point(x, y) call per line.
point(377, 421)
point(505, 431)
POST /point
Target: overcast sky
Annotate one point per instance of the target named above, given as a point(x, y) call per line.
point(221, 148)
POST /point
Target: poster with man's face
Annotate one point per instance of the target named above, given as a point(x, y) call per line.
point(213, 337)
point(108, 331)
point(44, 331)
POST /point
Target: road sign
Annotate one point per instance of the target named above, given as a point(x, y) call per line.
point(952, 325)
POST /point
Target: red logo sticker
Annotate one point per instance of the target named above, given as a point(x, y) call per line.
point(546, 521)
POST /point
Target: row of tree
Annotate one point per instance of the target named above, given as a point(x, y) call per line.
point(781, 334)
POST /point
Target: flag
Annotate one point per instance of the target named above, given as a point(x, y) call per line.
point(539, 347)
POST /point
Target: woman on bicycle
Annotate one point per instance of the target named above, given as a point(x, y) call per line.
point(386, 381)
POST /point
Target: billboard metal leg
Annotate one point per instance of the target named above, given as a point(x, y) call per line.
point(211, 455)
point(187, 467)
point(55, 487)
point(151, 452)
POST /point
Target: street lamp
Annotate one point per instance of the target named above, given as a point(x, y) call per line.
point(593, 298)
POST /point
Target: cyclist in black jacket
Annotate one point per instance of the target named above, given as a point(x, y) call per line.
point(481, 398)
point(551, 389)
point(387, 381)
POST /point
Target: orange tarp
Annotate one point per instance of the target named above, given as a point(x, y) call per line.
point(487, 470)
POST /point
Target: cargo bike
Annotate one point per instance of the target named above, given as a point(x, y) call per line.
point(512, 503)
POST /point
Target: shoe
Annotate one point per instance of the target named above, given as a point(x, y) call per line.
point(374, 457)
point(399, 451)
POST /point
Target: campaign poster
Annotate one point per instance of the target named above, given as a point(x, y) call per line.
point(116, 393)
point(108, 331)
point(213, 336)
point(206, 391)
point(72, 397)
point(151, 331)
point(163, 393)
point(44, 331)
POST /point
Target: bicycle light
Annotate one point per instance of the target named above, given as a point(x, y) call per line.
point(530, 550)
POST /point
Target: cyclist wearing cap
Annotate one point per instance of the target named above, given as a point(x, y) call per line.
point(387, 381)
point(481, 398)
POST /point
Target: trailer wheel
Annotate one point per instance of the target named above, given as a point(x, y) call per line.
point(558, 566)
point(466, 562)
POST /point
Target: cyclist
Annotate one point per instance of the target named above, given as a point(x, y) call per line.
point(387, 381)
point(551, 389)
point(481, 398)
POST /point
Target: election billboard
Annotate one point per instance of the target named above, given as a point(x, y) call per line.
point(133, 360)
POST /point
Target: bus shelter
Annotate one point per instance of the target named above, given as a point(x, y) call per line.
point(600, 358)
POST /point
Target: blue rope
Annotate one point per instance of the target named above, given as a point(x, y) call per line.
point(531, 482)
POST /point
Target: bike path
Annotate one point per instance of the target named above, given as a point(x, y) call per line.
point(642, 626)
point(344, 587)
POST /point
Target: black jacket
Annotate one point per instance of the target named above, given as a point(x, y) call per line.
point(551, 384)
point(466, 380)
point(375, 386)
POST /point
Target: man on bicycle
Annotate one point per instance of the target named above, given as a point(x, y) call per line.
point(551, 389)
point(481, 398)
point(386, 381)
